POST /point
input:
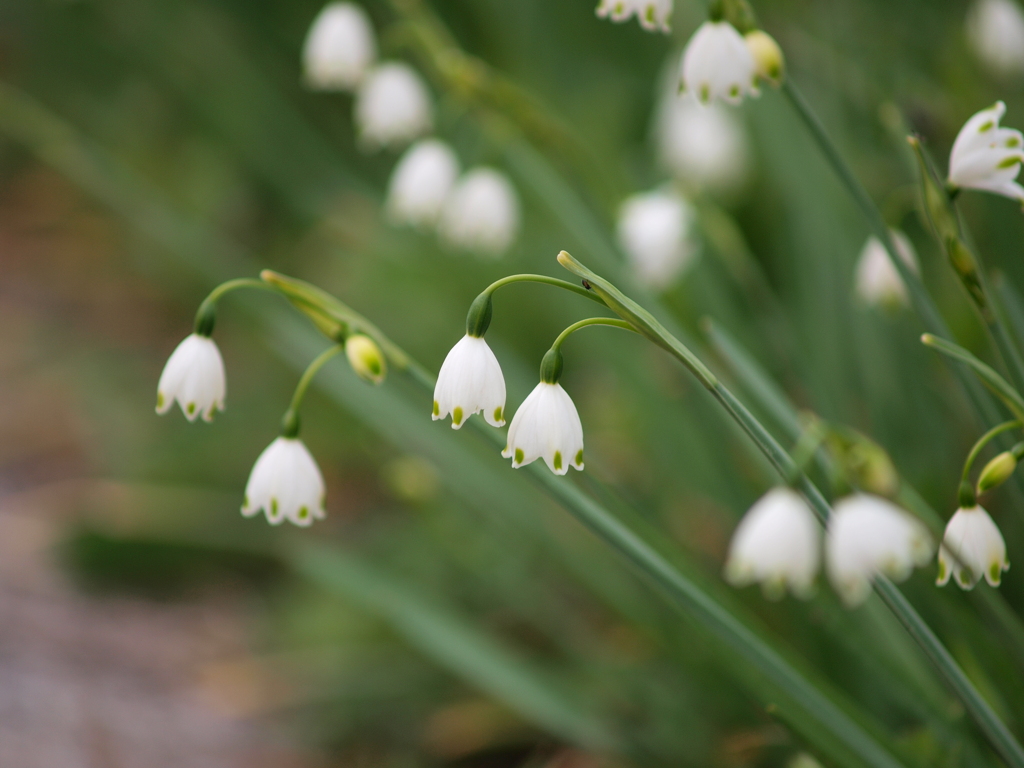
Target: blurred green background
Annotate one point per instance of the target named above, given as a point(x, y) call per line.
point(451, 614)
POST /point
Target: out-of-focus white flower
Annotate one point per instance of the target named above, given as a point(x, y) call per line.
point(653, 15)
point(972, 547)
point(470, 381)
point(481, 214)
point(546, 426)
point(717, 64)
point(995, 30)
point(778, 543)
point(421, 182)
point(194, 376)
point(987, 157)
point(867, 536)
point(877, 281)
point(655, 231)
point(393, 106)
point(286, 484)
point(339, 48)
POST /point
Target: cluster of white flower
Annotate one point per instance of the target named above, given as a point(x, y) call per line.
point(653, 15)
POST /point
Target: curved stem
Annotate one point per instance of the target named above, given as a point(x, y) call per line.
point(290, 423)
point(546, 280)
point(984, 440)
point(205, 313)
point(608, 321)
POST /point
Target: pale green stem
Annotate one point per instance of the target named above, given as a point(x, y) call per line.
point(290, 422)
point(982, 442)
point(590, 321)
point(544, 279)
point(204, 315)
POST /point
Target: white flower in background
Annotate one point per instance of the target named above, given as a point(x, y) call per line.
point(717, 64)
point(653, 15)
point(393, 106)
point(868, 535)
point(481, 214)
point(778, 543)
point(995, 29)
point(655, 231)
point(286, 484)
point(421, 183)
point(877, 281)
point(972, 547)
point(470, 381)
point(546, 426)
point(702, 144)
point(987, 157)
point(194, 376)
point(339, 48)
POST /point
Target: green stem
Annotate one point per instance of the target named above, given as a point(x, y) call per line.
point(526, 278)
point(1011, 397)
point(290, 422)
point(205, 313)
point(984, 440)
point(609, 321)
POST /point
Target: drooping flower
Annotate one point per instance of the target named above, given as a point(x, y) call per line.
point(366, 358)
point(393, 106)
point(421, 182)
point(701, 144)
point(877, 281)
point(972, 547)
point(987, 157)
point(655, 230)
point(995, 30)
point(470, 381)
point(286, 484)
point(339, 48)
point(481, 214)
point(653, 15)
point(717, 64)
point(777, 543)
point(546, 426)
point(868, 535)
point(194, 376)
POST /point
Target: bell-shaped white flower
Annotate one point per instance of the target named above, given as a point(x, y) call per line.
point(972, 547)
point(393, 106)
point(717, 64)
point(653, 15)
point(778, 543)
point(546, 426)
point(702, 144)
point(286, 484)
point(987, 157)
point(481, 214)
point(339, 48)
point(421, 182)
point(877, 281)
point(194, 376)
point(655, 230)
point(995, 30)
point(470, 381)
point(868, 535)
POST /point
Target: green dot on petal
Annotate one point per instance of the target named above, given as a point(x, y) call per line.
point(457, 415)
point(558, 460)
point(437, 409)
point(519, 456)
point(579, 457)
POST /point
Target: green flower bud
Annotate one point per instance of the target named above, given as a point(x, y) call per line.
point(997, 472)
point(872, 468)
point(366, 358)
point(768, 58)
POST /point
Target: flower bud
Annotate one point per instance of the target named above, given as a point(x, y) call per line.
point(997, 472)
point(769, 62)
point(366, 358)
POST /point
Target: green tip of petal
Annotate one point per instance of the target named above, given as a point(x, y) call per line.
point(519, 456)
point(705, 94)
point(965, 578)
point(995, 574)
point(303, 513)
point(1009, 162)
point(579, 458)
point(558, 460)
point(437, 409)
point(191, 409)
point(498, 414)
point(941, 578)
point(160, 400)
point(457, 415)
point(273, 506)
point(988, 126)
point(734, 91)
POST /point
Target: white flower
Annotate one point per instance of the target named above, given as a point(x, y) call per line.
point(393, 106)
point(703, 144)
point(653, 15)
point(546, 426)
point(971, 547)
point(778, 544)
point(877, 281)
point(286, 484)
point(655, 231)
point(194, 376)
point(987, 157)
point(868, 535)
point(717, 64)
point(421, 182)
point(470, 381)
point(339, 48)
point(482, 213)
point(995, 29)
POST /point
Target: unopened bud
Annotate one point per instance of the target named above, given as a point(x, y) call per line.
point(997, 472)
point(366, 358)
point(872, 468)
point(768, 59)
